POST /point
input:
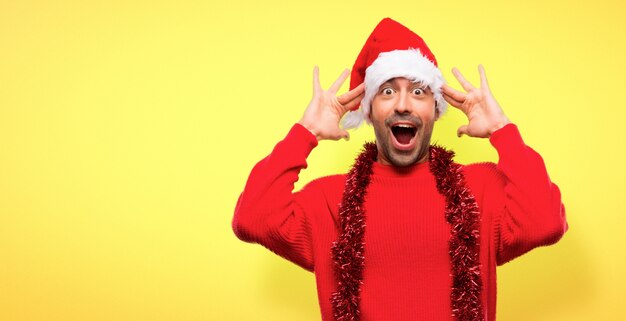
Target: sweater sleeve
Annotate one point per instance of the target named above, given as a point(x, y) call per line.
point(531, 213)
point(268, 212)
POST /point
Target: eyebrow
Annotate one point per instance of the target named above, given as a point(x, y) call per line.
point(421, 84)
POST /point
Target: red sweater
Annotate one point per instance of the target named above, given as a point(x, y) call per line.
point(407, 265)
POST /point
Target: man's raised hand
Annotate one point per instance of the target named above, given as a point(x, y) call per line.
point(482, 110)
point(325, 110)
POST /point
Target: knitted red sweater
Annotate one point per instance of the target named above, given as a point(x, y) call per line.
point(407, 265)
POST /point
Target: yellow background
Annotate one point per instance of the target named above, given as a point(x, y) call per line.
point(128, 128)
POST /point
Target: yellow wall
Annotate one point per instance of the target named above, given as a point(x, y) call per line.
point(128, 128)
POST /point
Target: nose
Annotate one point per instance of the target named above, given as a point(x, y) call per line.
point(403, 104)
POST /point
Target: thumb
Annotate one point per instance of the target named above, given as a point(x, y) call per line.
point(344, 134)
point(462, 131)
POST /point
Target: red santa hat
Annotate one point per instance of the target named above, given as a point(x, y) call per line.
point(392, 50)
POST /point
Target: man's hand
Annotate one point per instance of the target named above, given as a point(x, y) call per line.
point(482, 110)
point(325, 110)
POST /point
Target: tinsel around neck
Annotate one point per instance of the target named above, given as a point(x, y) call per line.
point(462, 213)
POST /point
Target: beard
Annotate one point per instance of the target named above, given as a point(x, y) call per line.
point(386, 133)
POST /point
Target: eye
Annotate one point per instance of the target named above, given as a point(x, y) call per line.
point(387, 91)
point(418, 91)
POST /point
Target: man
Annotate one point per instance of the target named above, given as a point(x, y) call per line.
point(407, 234)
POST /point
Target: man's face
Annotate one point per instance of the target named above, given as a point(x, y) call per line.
point(403, 114)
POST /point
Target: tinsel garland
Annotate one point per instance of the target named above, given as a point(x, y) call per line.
point(349, 249)
point(461, 212)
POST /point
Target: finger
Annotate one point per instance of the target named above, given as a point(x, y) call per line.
point(334, 88)
point(483, 77)
point(358, 90)
point(316, 80)
point(454, 102)
point(467, 104)
point(354, 103)
point(451, 100)
point(464, 83)
point(462, 131)
point(457, 95)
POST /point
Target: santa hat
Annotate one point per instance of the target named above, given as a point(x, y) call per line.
point(392, 50)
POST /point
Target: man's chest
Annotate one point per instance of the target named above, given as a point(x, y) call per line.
point(405, 227)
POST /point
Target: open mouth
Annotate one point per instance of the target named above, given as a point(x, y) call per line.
point(403, 133)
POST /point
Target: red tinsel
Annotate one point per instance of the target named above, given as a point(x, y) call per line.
point(349, 250)
point(461, 212)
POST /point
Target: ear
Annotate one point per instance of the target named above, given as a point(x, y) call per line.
point(436, 111)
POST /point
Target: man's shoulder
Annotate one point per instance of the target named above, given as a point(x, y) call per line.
point(482, 178)
point(481, 171)
point(328, 189)
point(329, 182)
